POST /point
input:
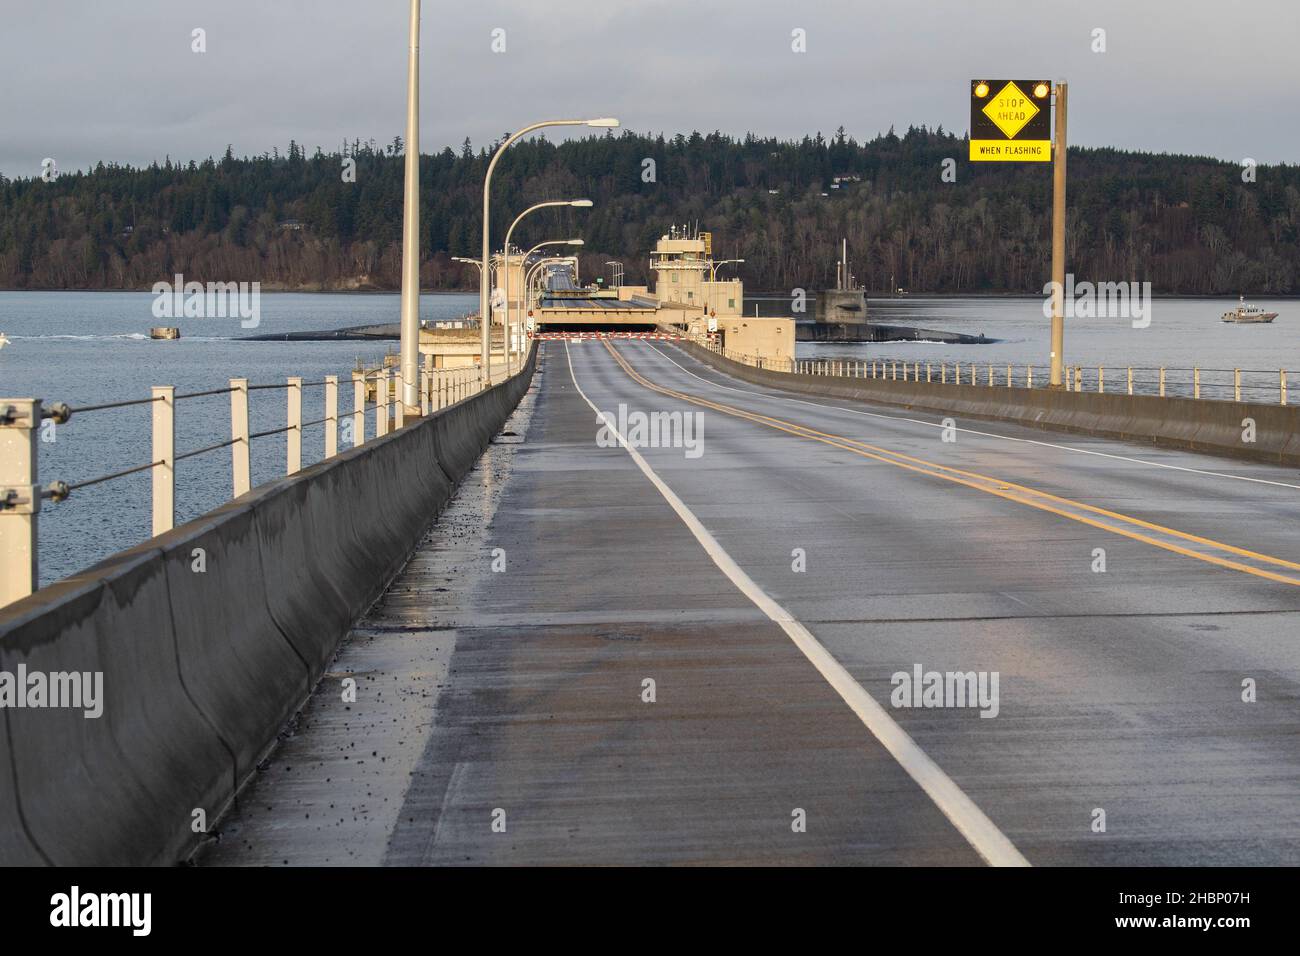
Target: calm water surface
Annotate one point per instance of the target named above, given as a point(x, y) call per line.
point(87, 348)
point(93, 347)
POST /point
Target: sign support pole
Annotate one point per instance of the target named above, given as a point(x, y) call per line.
point(1058, 237)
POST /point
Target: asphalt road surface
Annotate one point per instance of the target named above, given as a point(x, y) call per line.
point(689, 654)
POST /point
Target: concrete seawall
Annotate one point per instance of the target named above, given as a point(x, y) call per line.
point(1208, 426)
point(202, 669)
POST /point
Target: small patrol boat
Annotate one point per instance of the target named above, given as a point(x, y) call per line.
point(1248, 314)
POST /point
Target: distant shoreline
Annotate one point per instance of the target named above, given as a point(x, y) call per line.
point(273, 291)
point(770, 296)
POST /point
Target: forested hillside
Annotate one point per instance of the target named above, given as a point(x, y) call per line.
point(290, 220)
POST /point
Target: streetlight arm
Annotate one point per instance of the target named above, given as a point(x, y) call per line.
point(485, 312)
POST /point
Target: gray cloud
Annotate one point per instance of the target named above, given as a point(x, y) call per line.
point(84, 81)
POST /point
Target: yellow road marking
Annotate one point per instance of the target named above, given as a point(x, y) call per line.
point(993, 486)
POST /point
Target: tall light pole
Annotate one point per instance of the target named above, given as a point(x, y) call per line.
point(485, 279)
point(505, 262)
point(524, 262)
point(410, 327)
point(541, 264)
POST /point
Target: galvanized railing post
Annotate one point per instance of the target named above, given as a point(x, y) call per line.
point(1008, 375)
point(1101, 379)
point(1130, 379)
point(240, 449)
point(163, 473)
point(426, 384)
point(1162, 381)
point(331, 415)
point(358, 408)
point(1029, 376)
point(1236, 384)
point(1196, 382)
point(293, 418)
point(1281, 380)
point(399, 406)
point(381, 403)
point(20, 497)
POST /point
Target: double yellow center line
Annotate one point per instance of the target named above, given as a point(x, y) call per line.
point(1170, 539)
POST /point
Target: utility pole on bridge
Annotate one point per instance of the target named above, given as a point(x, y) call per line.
point(410, 328)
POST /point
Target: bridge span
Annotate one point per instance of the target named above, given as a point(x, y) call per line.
point(693, 650)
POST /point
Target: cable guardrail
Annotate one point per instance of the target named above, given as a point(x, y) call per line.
point(1196, 382)
point(21, 420)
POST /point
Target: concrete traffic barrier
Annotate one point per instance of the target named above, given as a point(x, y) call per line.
point(1201, 425)
point(299, 534)
point(119, 788)
point(201, 669)
point(240, 668)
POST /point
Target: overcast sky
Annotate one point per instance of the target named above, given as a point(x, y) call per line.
point(85, 80)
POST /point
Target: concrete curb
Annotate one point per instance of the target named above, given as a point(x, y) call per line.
point(1212, 427)
point(201, 671)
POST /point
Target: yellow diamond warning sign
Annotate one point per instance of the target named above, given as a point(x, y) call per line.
point(1010, 110)
point(1010, 121)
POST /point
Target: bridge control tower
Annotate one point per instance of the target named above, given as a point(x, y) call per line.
point(686, 274)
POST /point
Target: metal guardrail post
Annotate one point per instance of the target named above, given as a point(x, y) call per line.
point(1162, 381)
point(927, 373)
point(1281, 378)
point(293, 418)
point(163, 473)
point(426, 386)
point(1101, 379)
point(1078, 378)
point(20, 497)
point(1029, 376)
point(1008, 375)
point(331, 415)
point(990, 374)
point(1196, 382)
point(943, 373)
point(381, 403)
point(1130, 379)
point(399, 405)
point(1236, 384)
point(358, 408)
point(240, 457)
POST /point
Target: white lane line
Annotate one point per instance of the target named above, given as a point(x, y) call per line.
point(974, 431)
point(980, 832)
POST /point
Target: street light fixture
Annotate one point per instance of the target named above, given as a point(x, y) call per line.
point(505, 262)
point(524, 260)
point(485, 278)
point(539, 264)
